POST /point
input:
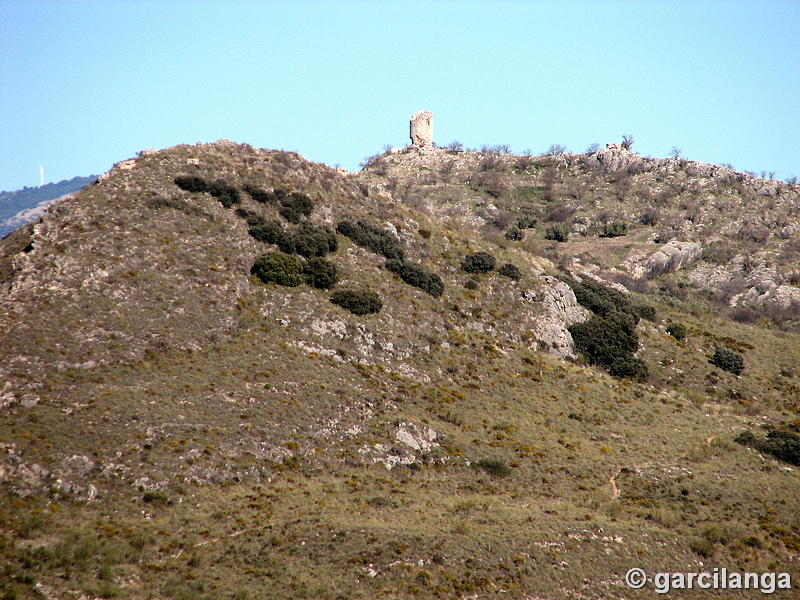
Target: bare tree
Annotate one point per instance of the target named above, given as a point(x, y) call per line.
point(627, 141)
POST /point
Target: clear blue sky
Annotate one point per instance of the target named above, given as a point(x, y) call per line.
point(85, 84)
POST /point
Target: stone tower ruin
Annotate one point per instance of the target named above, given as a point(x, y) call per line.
point(422, 129)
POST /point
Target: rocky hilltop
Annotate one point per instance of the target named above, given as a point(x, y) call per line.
point(229, 372)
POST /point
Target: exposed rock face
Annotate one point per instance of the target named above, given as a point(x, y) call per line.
point(422, 129)
point(561, 311)
point(672, 256)
point(615, 157)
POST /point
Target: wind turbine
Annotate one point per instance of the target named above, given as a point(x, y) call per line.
point(41, 175)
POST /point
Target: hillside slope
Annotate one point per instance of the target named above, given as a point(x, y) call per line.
point(24, 206)
point(172, 426)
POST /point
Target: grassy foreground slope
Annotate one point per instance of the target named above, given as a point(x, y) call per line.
point(173, 427)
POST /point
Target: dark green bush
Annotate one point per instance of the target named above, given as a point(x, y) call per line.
point(191, 183)
point(471, 284)
point(728, 360)
point(526, 222)
point(558, 232)
point(493, 466)
point(260, 195)
point(309, 240)
point(600, 299)
point(676, 330)
point(294, 205)
point(614, 229)
point(418, 276)
point(783, 445)
point(358, 302)
point(515, 234)
point(280, 268)
point(225, 193)
point(321, 273)
point(606, 340)
point(609, 337)
point(269, 232)
point(479, 262)
point(630, 367)
point(644, 311)
point(510, 271)
point(372, 237)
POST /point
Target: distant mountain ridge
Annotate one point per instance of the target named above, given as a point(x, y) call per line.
point(22, 206)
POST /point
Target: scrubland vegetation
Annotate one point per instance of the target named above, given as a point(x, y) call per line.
point(236, 374)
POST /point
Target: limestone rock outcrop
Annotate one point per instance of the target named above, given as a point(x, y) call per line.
point(561, 309)
point(670, 257)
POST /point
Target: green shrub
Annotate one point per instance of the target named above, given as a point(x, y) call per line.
point(309, 240)
point(783, 445)
point(269, 232)
point(728, 360)
point(526, 222)
point(280, 268)
point(294, 205)
point(225, 193)
point(558, 232)
point(471, 284)
point(600, 299)
point(515, 234)
point(606, 340)
point(418, 276)
point(510, 271)
point(614, 229)
point(191, 183)
point(629, 367)
point(644, 311)
point(320, 273)
point(372, 237)
point(493, 466)
point(609, 337)
point(261, 196)
point(676, 330)
point(358, 302)
point(479, 262)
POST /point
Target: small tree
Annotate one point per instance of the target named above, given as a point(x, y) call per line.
point(280, 268)
point(510, 271)
point(358, 302)
point(227, 194)
point(614, 229)
point(309, 240)
point(418, 276)
point(558, 232)
point(321, 273)
point(191, 183)
point(676, 330)
point(514, 234)
point(479, 262)
point(269, 232)
point(294, 206)
point(728, 360)
point(627, 141)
